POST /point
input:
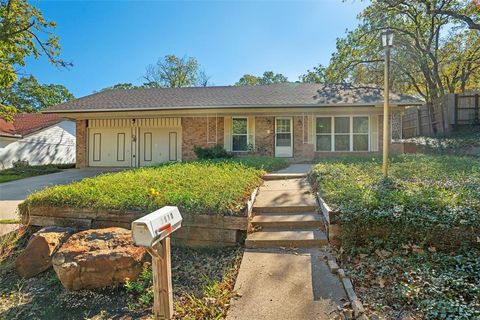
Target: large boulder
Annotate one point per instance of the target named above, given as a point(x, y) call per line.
point(37, 256)
point(98, 258)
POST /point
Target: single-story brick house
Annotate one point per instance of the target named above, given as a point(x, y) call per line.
point(299, 121)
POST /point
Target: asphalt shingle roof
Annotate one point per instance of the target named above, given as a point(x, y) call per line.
point(26, 123)
point(276, 95)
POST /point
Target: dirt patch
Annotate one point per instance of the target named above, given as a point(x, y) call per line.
point(203, 281)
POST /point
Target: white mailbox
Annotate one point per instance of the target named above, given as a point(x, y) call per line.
point(155, 226)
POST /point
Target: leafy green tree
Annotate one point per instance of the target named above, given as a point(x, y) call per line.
point(433, 53)
point(248, 80)
point(27, 95)
point(317, 75)
point(172, 72)
point(123, 86)
point(24, 32)
point(268, 77)
point(467, 12)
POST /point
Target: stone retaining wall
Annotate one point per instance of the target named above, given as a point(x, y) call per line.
point(201, 230)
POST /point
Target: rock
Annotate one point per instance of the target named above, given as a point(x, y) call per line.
point(37, 256)
point(98, 258)
point(357, 307)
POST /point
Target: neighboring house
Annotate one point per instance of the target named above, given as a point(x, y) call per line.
point(299, 121)
point(37, 138)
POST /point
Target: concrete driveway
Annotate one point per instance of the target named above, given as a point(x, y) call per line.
point(14, 192)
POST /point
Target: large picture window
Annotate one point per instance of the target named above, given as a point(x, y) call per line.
point(342, 133)
point(239, 134)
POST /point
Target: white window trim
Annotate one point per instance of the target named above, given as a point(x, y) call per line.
point(246, 134)
point(351, 134)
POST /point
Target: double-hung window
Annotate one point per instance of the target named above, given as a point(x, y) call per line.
point(324, 134)
point(239, 134)
point(360, 134)
point(342, 133)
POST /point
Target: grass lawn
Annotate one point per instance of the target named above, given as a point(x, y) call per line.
point(409, 242)
point(203, 283)
point(22, 172)
point(205, 187)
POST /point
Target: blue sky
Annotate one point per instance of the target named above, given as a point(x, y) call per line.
point(113, 41)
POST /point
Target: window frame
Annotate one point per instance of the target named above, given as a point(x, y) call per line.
point(351, 134)
point(240, 134)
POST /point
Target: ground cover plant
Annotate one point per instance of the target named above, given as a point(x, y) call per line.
point(262, 162)
point(203, 187)
point(203, 281)
point(410, 242)
point(462, 142)
point(25, 171)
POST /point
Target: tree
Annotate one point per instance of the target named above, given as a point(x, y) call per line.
point(433, 54)
point(27, 95)
point(172, 72)
point(317, 75)
point(248, 80)
point(24, 32)
point(461, 11)
point(203, 79)
point(123, 86)
point(268, 77)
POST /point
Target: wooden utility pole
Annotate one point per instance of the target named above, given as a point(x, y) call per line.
point(386, 114)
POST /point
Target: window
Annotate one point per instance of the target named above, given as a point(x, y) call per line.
point(324, 134)
point(343, 133)
point(360, 134)
point(239, 134)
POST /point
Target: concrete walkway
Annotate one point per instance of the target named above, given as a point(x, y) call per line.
point(279, 283)
point(20, 189)
point(290, 285)
point(14, 192)
point(297, 168)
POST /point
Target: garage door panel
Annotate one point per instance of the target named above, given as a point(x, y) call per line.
point(158, 146)
point(110, 147)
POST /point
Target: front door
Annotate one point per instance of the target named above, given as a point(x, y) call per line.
point(283, 137)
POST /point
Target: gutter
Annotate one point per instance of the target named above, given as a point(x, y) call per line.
point(234, 107)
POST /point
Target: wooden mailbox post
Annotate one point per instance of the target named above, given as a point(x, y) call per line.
point(153, 232)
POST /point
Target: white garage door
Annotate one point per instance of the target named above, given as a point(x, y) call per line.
point(110, 147)
point(134, 142)
point(158, 146)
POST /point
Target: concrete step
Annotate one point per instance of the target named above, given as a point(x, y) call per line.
point(274, 238)
point(292, 220)
point(284, 209)
point(283, 176)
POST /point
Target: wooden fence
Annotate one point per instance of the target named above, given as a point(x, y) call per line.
point(442, 115)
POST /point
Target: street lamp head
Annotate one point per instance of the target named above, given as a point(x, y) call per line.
point(387, 38)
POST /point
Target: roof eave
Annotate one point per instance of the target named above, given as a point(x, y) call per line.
point(401, 104)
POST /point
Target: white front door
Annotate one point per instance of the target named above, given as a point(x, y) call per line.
point(283, 137)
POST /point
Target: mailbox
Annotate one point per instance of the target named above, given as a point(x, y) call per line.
point(155, 226)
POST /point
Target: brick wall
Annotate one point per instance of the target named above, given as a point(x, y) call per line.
point(81, 148)
point(264, 135)
point(302, 151)
point(194, 133)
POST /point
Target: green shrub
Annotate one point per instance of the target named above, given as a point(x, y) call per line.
point(196, 188)
point(426, 200)
point(209, 153)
